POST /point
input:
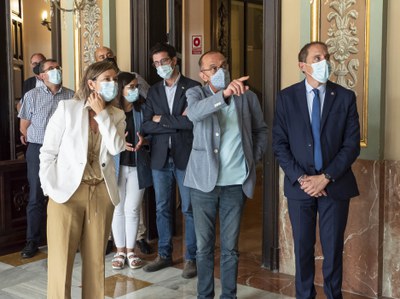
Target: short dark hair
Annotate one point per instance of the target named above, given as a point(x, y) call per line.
point(206, 53)
point(302, 57)
point(124, 78)
point(163, 47)
point(42, 63)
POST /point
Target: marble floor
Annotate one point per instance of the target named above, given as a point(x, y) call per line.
point(27, 278)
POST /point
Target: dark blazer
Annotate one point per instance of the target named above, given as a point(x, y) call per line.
point(176, 126)
point(340, 139)
point(145, 178)
point(28, 84)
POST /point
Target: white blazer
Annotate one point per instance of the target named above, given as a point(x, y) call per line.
point(63, 156)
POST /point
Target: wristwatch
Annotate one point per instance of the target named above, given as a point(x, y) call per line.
point(328, 177)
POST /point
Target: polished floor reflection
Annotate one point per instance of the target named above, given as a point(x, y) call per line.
point(27, 278)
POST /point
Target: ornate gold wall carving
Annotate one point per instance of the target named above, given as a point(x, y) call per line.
point(344, 26)
point(91, 31)
point(220, 17)
point(88, 36)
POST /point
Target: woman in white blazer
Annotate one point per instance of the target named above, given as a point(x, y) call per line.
point(77, 172)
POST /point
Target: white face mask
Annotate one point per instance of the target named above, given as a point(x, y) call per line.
point(165, 71)
point(321, 71)
point(108, 90)
point(54, 76)
point(220, 79)
point(133, 95)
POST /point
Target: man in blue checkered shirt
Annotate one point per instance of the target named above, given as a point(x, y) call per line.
point(38, 106)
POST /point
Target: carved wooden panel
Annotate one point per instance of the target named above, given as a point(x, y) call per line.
point(90, 31)
point(13, 200)
point(220, 26)
point(344, 26)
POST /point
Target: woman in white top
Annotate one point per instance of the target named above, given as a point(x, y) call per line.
point(77, 172)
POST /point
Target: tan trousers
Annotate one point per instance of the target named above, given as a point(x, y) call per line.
point(80, 222)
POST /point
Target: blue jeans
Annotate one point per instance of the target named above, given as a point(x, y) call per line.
point(35, 210)
point(229, 200)
point(163, 181)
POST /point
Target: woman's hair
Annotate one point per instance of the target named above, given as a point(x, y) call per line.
point(92, 72)
point(124, 78)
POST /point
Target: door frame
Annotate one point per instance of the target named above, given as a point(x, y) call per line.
point(220, 17)
point(271, 87)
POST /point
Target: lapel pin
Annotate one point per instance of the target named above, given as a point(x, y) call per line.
point(332, 93)
point(183, 87)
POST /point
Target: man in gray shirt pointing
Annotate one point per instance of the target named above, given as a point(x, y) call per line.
point(230, 136)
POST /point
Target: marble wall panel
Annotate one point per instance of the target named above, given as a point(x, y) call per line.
point(391, 236)
point(362, 239)
point(286, 254)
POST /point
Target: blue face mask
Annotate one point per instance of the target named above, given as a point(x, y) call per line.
point(321, 71)
point(165, 71)
point(54, 76)
point(133, 95)
point(220, 79)
point(108, 90)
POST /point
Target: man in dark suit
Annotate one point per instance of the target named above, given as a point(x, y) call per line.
point(165, 120)
point(316, 138)
point(35, 80)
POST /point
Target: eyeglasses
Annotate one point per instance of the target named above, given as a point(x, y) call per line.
point(214, 69)
point(52, 68)
point(163, 61)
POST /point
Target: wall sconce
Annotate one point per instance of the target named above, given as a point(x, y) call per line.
point(45, 22)
point(77, 8)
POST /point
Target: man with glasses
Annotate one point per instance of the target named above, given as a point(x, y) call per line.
point(38, 106)
point(230, 137)
point(166, 121)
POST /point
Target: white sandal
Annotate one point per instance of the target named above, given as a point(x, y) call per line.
point(119, 259)
point(134, 261)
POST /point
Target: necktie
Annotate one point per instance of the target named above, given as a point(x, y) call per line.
point(316, 126)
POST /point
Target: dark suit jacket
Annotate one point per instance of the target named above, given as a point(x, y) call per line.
point(176, 126)
point(340, 139)
point(28, 84)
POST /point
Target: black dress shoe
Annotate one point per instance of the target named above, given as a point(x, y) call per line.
point(29, 250)
point(144, 246)
point(110, 246)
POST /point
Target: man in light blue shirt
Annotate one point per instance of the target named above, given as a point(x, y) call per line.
point(38, 106)
point(229, 138)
